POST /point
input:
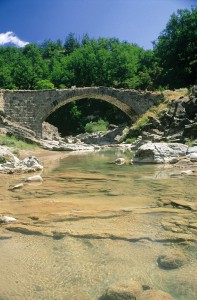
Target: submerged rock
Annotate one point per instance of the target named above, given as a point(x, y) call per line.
point(17, 187)
point(123, 291)
point(171, 260)
point(155, 295)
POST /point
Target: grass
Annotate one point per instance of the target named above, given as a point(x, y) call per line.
point(13, 142)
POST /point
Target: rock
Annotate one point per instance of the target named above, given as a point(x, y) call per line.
point(173, 160)
point(32, 162)
point(190, 130)
point(191, 105)
point(5, 236)
point(113, 136)
point(187, 172)
point(155, 295)
point(62, 146)
point(7, 156)
point(7, 219)
point(171, 260)
point(159, 152)
point(29, 164)
point(50, 132)
point(123, 291)
point(16, 187)
point(192, 151)
point(120, 161)
point(184, 204)
point(36, 178)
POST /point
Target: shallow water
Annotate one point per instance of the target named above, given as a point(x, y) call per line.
point(91, 223)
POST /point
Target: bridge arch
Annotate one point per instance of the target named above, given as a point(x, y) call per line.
point(123, 107)
point(31, 108)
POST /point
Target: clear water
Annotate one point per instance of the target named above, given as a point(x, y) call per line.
point(92, 223)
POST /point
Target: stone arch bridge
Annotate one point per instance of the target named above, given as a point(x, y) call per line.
point(31, 108)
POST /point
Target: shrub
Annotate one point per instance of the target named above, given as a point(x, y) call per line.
point(100, 125)
point(141, 122)
point(131, 140)
point(44, 85)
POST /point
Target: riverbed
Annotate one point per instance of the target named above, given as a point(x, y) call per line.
point(91, 223)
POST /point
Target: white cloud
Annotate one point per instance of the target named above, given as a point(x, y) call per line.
point(10, 37)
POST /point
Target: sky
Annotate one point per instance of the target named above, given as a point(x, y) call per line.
point(135, 21)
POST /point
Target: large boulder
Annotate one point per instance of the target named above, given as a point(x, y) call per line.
point(159, 152)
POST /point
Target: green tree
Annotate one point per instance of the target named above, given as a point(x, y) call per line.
point(44, 85)
point(175, 49)
point(71, 43)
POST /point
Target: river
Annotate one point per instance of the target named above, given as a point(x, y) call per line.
point(91, 223)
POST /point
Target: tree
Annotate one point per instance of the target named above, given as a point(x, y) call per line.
point(175, 49)
point(71, 43)
point(44, 85)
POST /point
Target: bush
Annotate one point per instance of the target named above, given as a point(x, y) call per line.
point(131, 140)
point(100, 125)
point(44, 85)
point(141, 122)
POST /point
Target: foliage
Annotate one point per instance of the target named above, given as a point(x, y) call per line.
point(190, 142)
point(11, 141)
point(130, 140)
point(44, 85)
point(107, 61)
point(175, 49)
point(143, 120)
point(104, 62)
point(100, 125)
point(72, 117)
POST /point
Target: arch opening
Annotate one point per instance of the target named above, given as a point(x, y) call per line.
point(72, 117)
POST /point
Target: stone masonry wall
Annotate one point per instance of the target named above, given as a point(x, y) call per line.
point(31, 108)
point(1, 102)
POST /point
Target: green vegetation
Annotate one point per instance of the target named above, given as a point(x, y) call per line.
point(141, 121)
point(175, 50)
point(190, 142)
point(44, 85)
point(130, 140)
point(100, 125)
point(11, 141)
point(104, 62)
point(156, 112)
